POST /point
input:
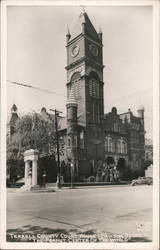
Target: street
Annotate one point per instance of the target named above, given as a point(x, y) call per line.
point(110, 209)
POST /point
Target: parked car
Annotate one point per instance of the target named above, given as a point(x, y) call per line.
point(142, 181)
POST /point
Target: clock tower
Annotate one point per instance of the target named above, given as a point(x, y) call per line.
point(85, 79)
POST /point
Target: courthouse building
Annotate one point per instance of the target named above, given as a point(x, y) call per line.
point(88, 135)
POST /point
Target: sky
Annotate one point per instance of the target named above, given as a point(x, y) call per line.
point(36, 55)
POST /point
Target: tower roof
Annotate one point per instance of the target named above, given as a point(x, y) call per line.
point(141, 107)
point(89, 28)
point(13, 116)
point(14, 108)
point(72, 100)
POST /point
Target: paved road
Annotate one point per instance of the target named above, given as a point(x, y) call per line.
point(109, 209)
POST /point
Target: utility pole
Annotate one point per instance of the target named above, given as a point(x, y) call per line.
point(57, 145)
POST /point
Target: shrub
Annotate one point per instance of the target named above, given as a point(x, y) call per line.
point(91, 179)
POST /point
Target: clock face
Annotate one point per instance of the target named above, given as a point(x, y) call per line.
point(75, 50)
point(93, 49)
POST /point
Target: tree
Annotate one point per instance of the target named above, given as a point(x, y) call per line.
point(148, 153)
point(32, 131)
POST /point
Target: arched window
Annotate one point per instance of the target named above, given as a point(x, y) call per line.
point(94, 85)
point(94, 88)
point(124, 147)
point(94, 93)
point(75, 84)
point(118, 146)
point(109, 144)
point(106, 145)
point(112, 146)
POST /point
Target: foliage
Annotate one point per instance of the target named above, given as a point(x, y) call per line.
point(147, 163)
point(32, 131)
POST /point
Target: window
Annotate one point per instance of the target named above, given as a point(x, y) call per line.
point(75, 84)
point(75, 141)
point(118, 147)
point(112, 146)
point(95, 102)
point(121, 146)
point(82, 139)
point(109, 144)
point(106, 144)
point(90, 88)
point(124, 147)
point(97, 89)
point(94, 88)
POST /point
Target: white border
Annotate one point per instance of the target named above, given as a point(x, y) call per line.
point(155, 244)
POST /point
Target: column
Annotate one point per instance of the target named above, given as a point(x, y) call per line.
point(26, 172)
point(34, 172)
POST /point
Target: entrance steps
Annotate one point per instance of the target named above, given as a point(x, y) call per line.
point(36, 188)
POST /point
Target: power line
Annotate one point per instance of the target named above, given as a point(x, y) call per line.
point(36, 88)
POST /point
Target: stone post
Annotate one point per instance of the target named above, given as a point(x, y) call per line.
point(26, 171)
point(34, 172)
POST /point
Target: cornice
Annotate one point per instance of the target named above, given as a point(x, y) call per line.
point(85, 59)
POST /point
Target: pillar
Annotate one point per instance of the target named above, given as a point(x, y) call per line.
point(30, 155)
point(34, 172)
point(26, 171)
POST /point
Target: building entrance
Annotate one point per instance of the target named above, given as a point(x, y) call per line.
point(121, 167)
point(110, 161)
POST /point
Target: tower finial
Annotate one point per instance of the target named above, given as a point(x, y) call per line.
point(82, 10)
point(68, 35)
point(100, 33)
point(100, 30)
point(68, 31)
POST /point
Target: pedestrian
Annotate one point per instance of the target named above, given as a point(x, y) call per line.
point(107, 172)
